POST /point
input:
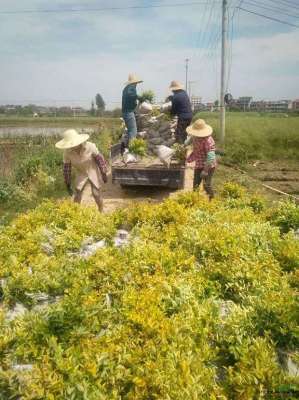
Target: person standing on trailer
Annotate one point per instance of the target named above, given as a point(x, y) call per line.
point(129, 104)
point(181, 106)
point(88, 163)
point(203, 153)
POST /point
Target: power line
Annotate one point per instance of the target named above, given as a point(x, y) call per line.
point(206, 38)
point(231, 41)
point(212, 54)
point(288, 3)
point(277, 5)
point(103, 9)
point(256, 4)
point(199, 37)
point(267, 17)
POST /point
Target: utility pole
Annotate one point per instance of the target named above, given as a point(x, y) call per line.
point(223, 71)
point(190, 83)
point(186, 81)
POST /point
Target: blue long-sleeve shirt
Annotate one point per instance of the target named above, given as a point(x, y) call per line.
point(129, 98)
point(181, 105)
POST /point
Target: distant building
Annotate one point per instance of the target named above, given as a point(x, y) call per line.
point(244, 103)
point(196, 103)
point(295, 105)
point(10, 108)
point(79, 112)
point(278, 106)
point(258, 106)
point(209, 107)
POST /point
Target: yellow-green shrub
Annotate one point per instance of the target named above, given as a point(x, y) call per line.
point(145, 321)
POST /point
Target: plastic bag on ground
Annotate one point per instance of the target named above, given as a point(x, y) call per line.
point(129, 157)
point(164, 154)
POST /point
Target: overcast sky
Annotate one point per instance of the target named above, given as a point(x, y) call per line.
point(66, 58)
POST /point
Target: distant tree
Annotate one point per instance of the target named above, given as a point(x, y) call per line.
point(100, 104)
point(216, 103)
point(92, 110)
point(148, 95)
point(117, 113)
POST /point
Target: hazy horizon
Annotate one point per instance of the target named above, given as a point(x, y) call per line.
point(65, 58)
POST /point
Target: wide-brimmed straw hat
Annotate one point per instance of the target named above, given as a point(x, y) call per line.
point(175, 85)
point(132, 79)
point(199, 129)
point(71, 138)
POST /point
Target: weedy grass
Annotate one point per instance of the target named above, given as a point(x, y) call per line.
point(32, 170)
point(253, 136)
point(14, 121)
point(197, 306)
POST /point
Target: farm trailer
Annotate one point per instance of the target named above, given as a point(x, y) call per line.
point(145, 173)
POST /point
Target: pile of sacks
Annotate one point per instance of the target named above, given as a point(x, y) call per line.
point(156, 130)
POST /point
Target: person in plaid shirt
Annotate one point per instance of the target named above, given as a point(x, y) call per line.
point(203, 154)
point(88, 163)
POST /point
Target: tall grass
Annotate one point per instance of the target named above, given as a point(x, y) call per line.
point(251, 136)
point(31, 169)
point(59, 121)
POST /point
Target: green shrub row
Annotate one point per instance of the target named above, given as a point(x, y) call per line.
point(199, 304)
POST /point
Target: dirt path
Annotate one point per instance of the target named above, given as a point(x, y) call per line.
point(283, 176)
point(117, 197)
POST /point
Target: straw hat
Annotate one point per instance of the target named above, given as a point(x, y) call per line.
point(199, 129)
point(133, 79)
point(71, 138)
point(175, 85)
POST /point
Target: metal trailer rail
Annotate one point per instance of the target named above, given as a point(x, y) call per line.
point(146, 175)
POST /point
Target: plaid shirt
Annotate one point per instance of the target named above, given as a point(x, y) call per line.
point(100, 161)
point(201, 148)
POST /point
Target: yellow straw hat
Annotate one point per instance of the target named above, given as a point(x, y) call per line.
point(175, 85)
point(71, 138)
point(132, 79)
point(199, 129)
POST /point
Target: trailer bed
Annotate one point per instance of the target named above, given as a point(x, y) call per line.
point(149, 171)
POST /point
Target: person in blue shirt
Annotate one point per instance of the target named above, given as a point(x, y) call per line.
point(181, 107)
point(129, 104)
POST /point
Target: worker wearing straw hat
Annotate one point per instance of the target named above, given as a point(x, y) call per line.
point(181, 106)
point(203, 154)
point(88, 163)
point(129, 104)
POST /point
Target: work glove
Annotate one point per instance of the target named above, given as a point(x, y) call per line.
point(105, 178)
point(188, 141)
point(69, 190)
point(204, 174)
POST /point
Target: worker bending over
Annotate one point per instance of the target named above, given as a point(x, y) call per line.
point(203, 154)
point(181, 106)
point(88, 163)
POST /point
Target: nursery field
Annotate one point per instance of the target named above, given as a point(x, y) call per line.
point(253, 136)
point(265, 146)
point(55, 121)
point(31, 168)
point(187, 299)
point(183, 299)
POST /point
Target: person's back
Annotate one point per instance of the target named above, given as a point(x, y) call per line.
point(181, 105)
point(129, 98)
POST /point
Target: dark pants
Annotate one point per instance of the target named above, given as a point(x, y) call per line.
point(180, 133)
point(207, 181)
